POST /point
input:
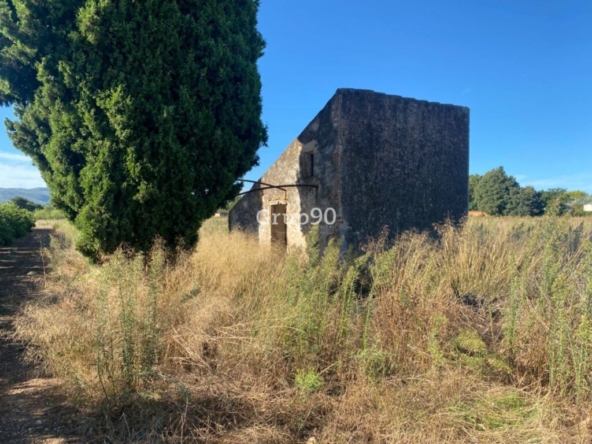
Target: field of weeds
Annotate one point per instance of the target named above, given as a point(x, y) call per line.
point(484, 335)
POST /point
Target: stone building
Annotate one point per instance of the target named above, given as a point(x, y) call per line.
point(366, 161)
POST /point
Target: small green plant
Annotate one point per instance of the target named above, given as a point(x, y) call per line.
point(308, 381)
point(128, 342)
point(375, 363)
point(470, 343)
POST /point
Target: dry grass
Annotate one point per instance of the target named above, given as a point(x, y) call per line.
point(482, 336)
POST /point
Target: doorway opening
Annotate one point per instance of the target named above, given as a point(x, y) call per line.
point(279, 227)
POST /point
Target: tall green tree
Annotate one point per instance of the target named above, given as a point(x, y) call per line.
point(473, 182)
point(524, 201)
point(577, 200)
point(555, 201)
point(139, 115)
point(493, 191)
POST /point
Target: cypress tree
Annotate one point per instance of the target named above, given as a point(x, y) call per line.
point(139, 115)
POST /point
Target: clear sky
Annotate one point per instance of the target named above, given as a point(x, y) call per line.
point(523, 68)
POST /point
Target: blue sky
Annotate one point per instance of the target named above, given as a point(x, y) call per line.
point(523, 68)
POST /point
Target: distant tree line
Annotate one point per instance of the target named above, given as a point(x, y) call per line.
point(499, 194)
point(25, 204)
point(39, 211)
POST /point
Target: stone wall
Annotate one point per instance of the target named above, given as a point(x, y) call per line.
point(377, 160)
point(405, 163)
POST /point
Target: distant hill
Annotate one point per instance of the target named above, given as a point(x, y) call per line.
point(37, 195)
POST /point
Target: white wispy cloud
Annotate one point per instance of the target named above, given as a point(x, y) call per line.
point(20, 176)
point(18, 171)
point(18, 158)
point(576, 181)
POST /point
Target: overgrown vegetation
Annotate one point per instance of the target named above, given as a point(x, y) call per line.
point(484, 335)
point(15, 222)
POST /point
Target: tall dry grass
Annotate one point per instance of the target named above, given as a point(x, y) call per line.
point(483, 335)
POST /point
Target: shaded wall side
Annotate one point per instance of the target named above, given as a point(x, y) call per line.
point(243, 215)
point(405, 165)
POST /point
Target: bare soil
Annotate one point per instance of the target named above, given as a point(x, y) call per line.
point(31, 408)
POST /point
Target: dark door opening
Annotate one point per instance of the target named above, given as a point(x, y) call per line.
point(279, 231)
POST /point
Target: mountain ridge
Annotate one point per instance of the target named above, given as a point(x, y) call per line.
point(38, 195)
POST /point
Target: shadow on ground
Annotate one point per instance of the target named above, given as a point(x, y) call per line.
point(31, 408)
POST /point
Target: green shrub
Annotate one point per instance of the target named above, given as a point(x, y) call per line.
point(308, 381)
point(15, 222)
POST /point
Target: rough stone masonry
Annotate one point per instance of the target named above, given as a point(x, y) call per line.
point(366, 161)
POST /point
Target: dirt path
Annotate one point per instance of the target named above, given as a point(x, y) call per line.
point(31, 409)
